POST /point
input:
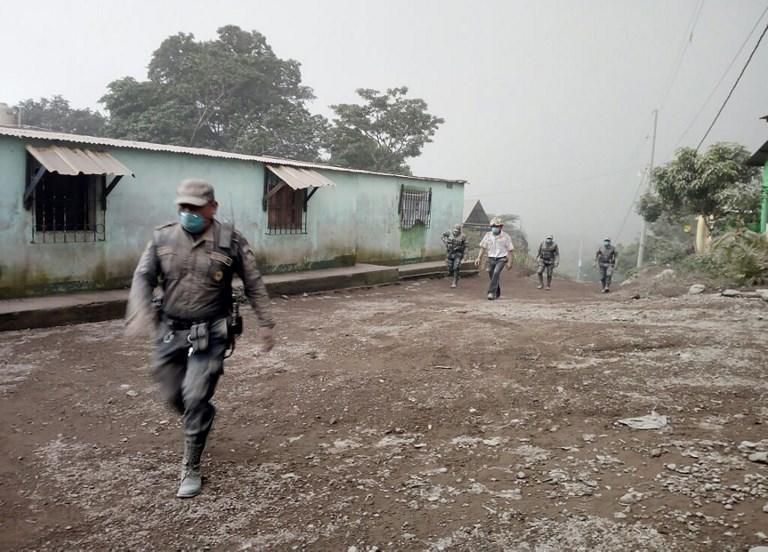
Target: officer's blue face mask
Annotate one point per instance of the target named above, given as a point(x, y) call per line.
point(607, 243)
point(191, 222)
point(496, 230)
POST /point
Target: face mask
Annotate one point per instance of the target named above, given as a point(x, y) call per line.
point(548, 242)
point(191, 222)
point(607, 244)
point(496, 230)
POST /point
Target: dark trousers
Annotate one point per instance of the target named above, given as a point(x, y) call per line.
point(188, 382)
point(495, 266)
point(606, 272)
point(454, 266)
point(547, 267)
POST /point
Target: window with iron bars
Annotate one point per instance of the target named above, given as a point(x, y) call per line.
point(286, 208)
point(69, 209)
point(415, 207)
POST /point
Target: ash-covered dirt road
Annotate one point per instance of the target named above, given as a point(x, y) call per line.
point(409, 417)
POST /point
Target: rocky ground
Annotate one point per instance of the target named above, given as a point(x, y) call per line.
point(410, 417)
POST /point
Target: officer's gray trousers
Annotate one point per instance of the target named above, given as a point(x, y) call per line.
point(188, 382)
point(495, 267)
point(454, 265)
point(606, 272)
point(546, 266)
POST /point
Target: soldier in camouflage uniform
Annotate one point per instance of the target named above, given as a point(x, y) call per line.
point(548, 258)
point(193, 261)
point(605, 259)
point(455, 246)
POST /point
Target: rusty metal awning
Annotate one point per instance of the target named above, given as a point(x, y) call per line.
point(74, 161)
point(300, 179)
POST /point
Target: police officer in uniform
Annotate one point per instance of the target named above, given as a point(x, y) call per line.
point(548, 258)
point(193, 261)
point(455, 246)
point(605, 259)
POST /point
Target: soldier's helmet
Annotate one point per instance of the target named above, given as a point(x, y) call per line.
point(549, 238)
point(457, 227)
point(497, 221)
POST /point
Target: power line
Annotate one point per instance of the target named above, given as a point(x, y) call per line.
point(687, 39)
point(733, 88)
point(722, 78)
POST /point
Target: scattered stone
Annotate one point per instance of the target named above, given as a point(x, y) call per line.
point(352, 549)
point(132, 393)
point(521, 475)
point(655, 453)
point(763, 293)
point(765, 508)
point(762, 536)
point(730, 293)
point(696, 289)
point(761, 457)
point(620, 515)
point(665, 274)
point(632, 497)
point(759, 549)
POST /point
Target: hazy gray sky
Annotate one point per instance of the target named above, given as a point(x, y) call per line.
point(547, 103)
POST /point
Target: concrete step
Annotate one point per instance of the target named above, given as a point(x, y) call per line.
point(75, 308)
point(434, 269)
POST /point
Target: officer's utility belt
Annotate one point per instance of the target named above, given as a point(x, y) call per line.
point(198, 336)
point(179, 324)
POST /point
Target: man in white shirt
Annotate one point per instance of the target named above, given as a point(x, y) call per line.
point(497, 246)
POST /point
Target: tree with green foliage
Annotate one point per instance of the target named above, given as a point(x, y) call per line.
point(232, 93)
point(381, 133)
point(55, 114)
point(717, 185)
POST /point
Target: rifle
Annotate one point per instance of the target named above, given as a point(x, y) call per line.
point(234, 325)
point(234, 320)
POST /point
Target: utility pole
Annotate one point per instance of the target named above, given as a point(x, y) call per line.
point(644, 228)
point(581, 249)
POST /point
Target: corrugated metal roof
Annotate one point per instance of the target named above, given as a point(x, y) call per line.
point(148, 146)
point(760, 157)
point(300, 179)
point(73, 161)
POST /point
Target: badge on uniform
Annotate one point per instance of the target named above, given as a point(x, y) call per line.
point(218, 275)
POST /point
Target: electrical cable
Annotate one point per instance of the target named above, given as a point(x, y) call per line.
point(687, 39)
point(733, 88)
point(722, 78)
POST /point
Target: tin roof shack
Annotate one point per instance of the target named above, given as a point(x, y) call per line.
point(77, 211)
point(475, 221)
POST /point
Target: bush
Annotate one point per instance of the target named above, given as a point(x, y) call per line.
point(742, 255)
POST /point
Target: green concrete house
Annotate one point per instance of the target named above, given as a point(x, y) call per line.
point(76, 211)
point(760, 159)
